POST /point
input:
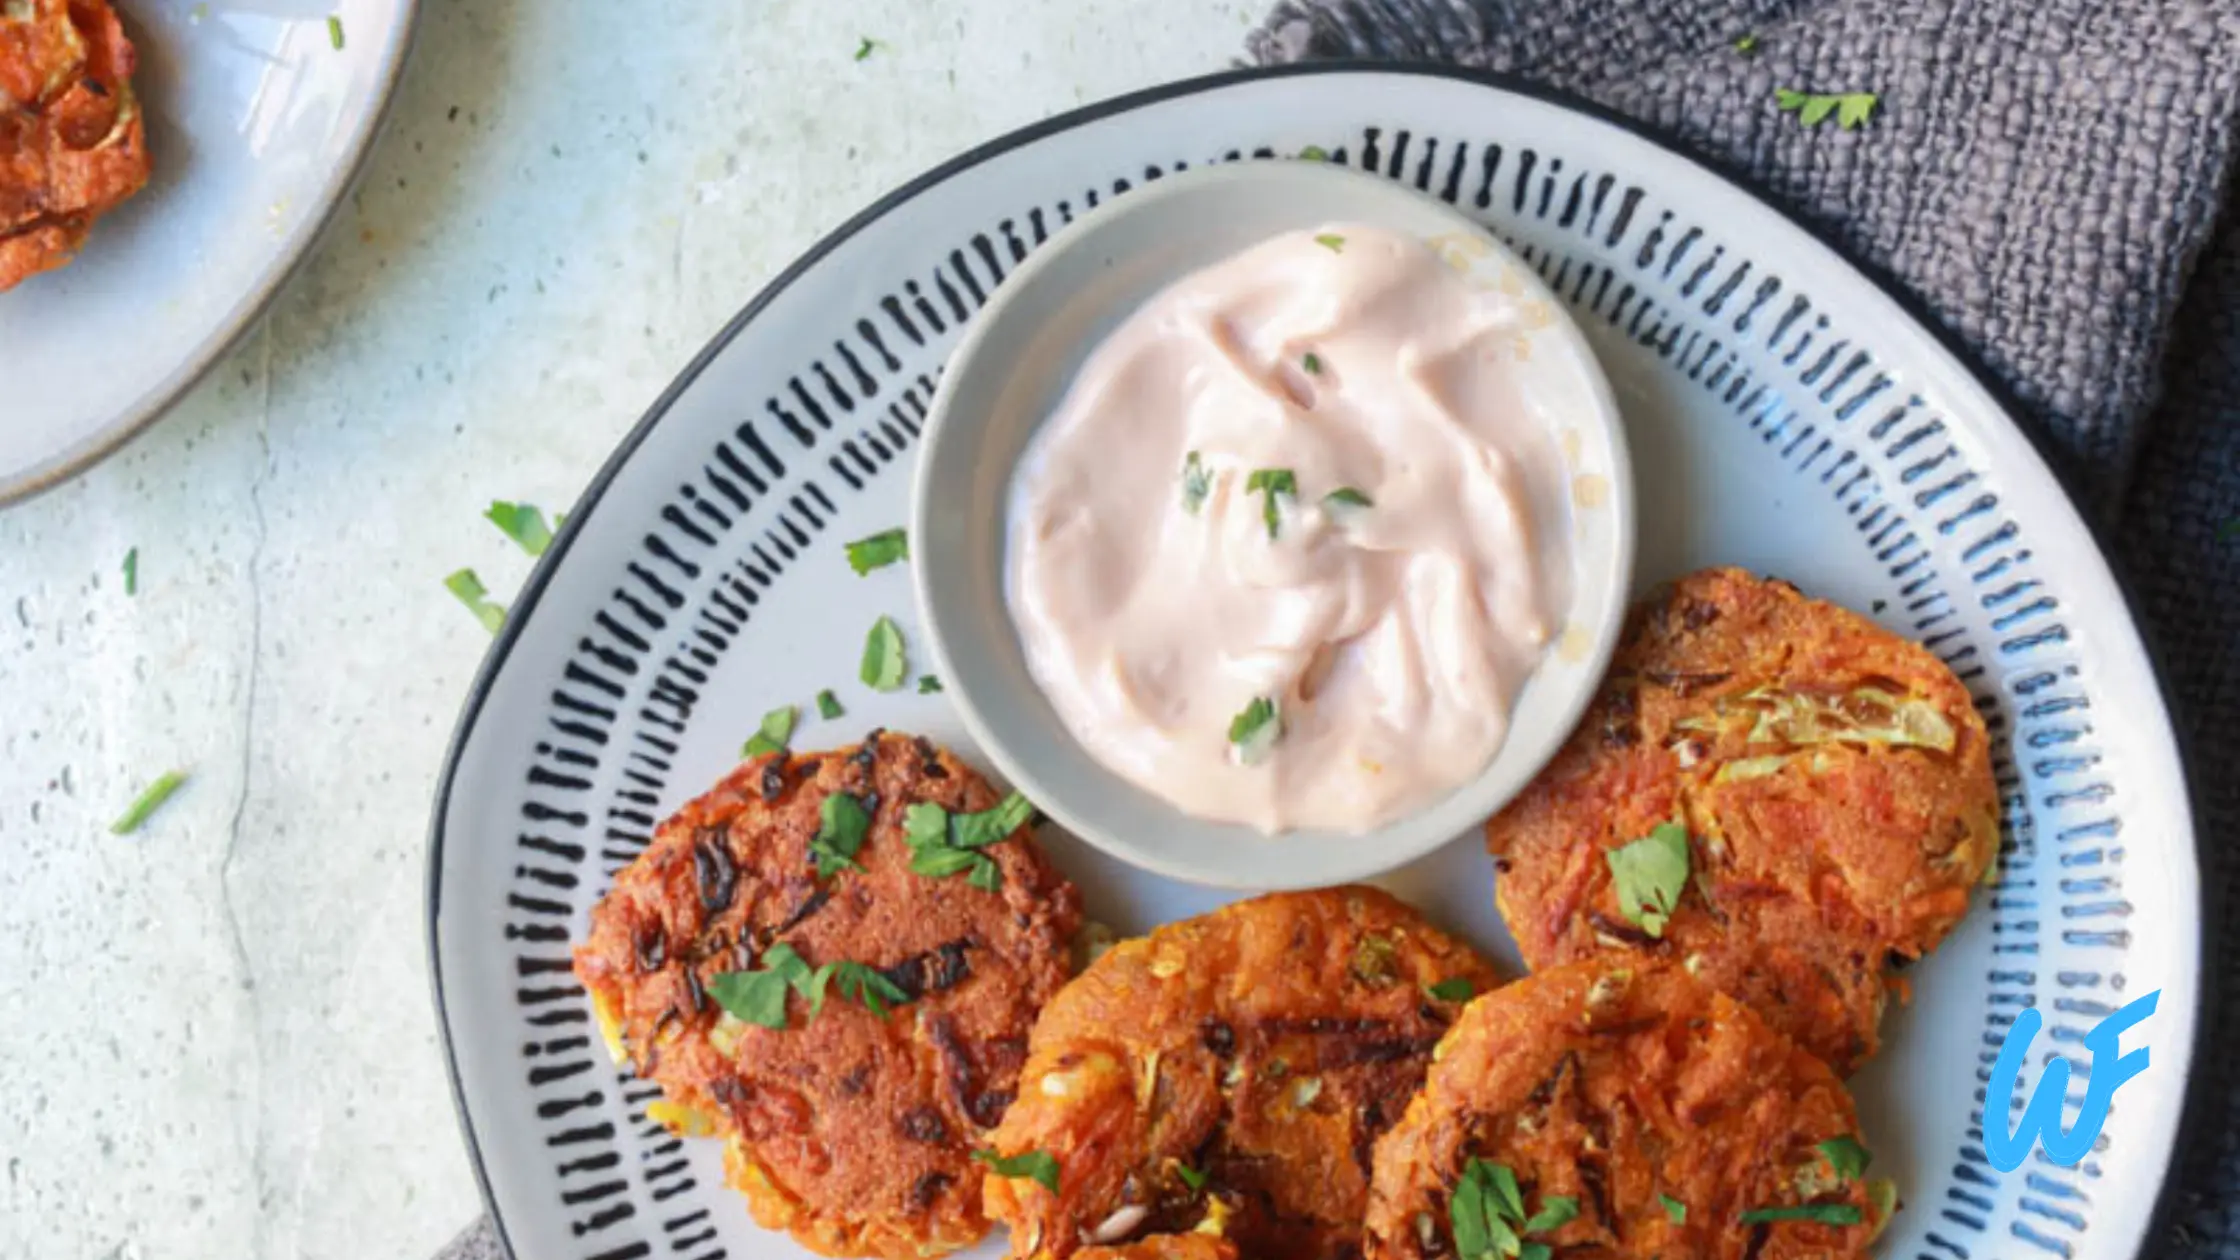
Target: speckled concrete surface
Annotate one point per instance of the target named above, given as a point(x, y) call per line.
point(218, 1040)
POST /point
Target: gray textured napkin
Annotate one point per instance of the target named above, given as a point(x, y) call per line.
point(2049, 178)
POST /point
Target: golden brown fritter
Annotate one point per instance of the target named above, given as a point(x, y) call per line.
point(1835, 784)
point(1642, 1111)
point(852, 1131)
point(1258, 1051)
point(72, 145)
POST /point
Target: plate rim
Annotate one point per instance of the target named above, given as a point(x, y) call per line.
point(234, 326)
point(2057, 468)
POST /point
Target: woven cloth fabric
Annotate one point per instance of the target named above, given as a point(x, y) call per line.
point(2049, 177)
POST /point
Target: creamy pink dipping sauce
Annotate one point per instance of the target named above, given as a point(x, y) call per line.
point(1402, 595)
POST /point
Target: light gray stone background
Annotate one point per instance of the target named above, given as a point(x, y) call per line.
point(215, 1036)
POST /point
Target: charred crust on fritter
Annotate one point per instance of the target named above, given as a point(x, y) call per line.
point(713, 867)
point(650, 946)
point(924, 1124)
point(928, 1187)
point(774, 778)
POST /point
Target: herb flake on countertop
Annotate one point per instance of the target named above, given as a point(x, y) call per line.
point(151, 799)
point(1331, 241)
point(928, 685)
point(334, 31)
point(1851, 109)
point(884, 666)
point(1821, 1213)
point(1649, 875)
point(777, 728)
point(523, 523)
point(879, 550)
point(469, 590)
point(828, 705)
point(132, 571)
point(1197, 483)
point(1040, 1167)
point(1268, 483)
point(864, 49)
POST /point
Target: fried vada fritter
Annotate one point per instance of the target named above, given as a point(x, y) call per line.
point(1237, 1067)
point(850, 1129)
point(1835, 784)
point(1641, 1114)
point(72, 142)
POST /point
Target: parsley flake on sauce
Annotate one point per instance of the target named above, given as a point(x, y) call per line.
point(1851, 109)
point(1255, 729)
point(1331, 241)
point(1268, 483)
point(151, 799)
point(1821, 1213)
point(883, 663)
point(1039, 1167)
point(470, 592)
point(879, 550)
point(777, 728)
point(1313, 363)
point(1650, 874)
point(1197, 483)
point(828, 705)
point(842, 823)
point(1347, 496)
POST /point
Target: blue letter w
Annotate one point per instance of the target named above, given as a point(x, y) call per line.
point(2041, 1118)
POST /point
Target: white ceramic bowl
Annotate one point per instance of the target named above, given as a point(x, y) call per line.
point(1008, 374)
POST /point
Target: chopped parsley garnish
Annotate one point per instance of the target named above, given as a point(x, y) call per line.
point(944, 844)
point(759, 997)
point(469, 589)
point(777, 728)
point(1846, 1157)
point(879, 550)
point(842, 823)
point(1851, 109)
point(334, 31)
point(867, 986)
point(883, 663)
point(1453, 989)
point(928, 685)
point(150, 799)
point(1822, 1213)
point(1256, 729)
point(1039, 1167)
point(132, 572)
point(1674, 1208)
point(523, 523)
point(1314, 153)
point(863, 49)
point(1197, 482)
point(1191, 1177)
point(975, 831)
point(1487, 1215)
point(1331, 241)
point(1268, 483)
point(828, 705)
point(1347, 496)
point(1650, 874)
point(1313, 363)
point(1747, 45)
